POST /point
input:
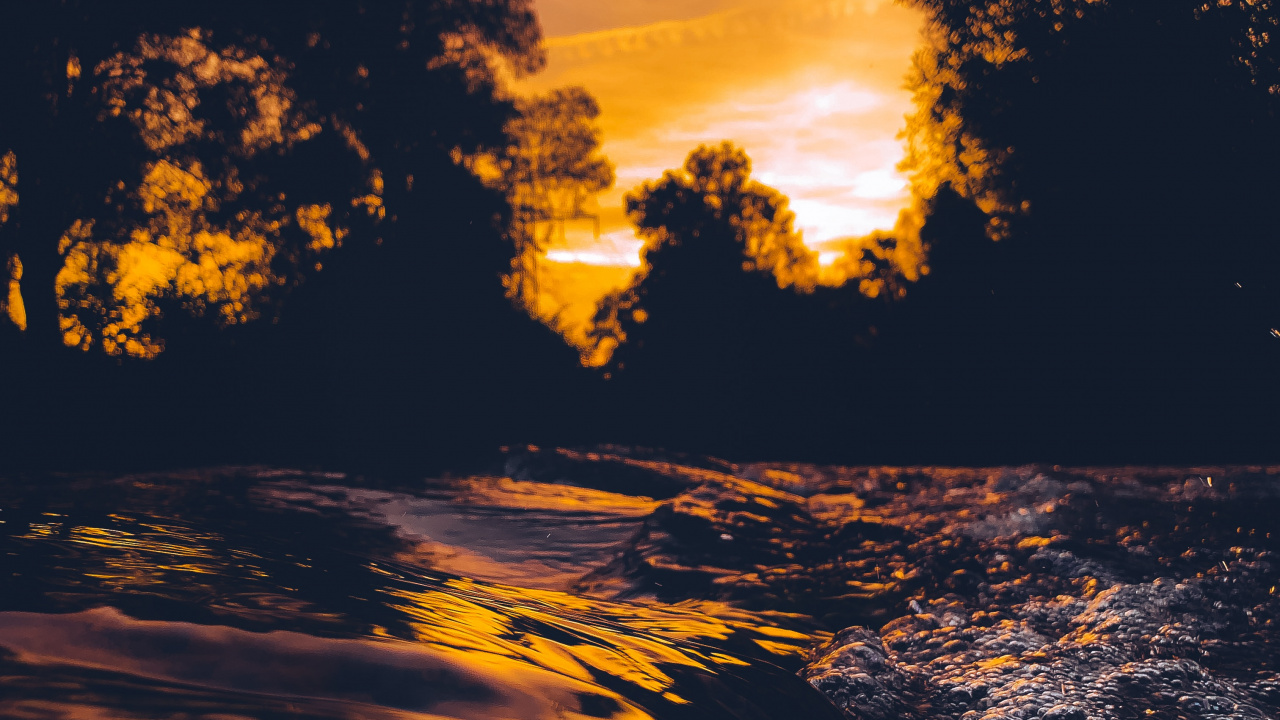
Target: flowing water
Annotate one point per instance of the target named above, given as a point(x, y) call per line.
point(624, 584)
point(264, 593)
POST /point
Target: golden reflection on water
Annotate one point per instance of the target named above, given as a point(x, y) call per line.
point(539, 642)
point(406, 639)
point(285, 673)
point(470, 617)
point(660, 467)
point(526, 495)
point(143, 557)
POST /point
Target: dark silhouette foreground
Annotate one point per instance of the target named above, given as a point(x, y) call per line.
point(1124, 315)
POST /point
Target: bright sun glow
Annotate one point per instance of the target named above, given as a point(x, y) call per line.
point(813, 90)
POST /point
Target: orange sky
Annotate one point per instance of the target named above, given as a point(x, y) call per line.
point(812, 89)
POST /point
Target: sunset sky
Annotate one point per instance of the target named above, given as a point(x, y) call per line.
point(811, 89)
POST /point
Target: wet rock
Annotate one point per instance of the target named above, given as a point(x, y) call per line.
point(1064, 712)
point(857, 674)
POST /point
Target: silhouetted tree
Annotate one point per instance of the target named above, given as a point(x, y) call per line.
point(1113, 125)
point(727, 331)
point(710, 234)
point(548, 172)
point(367, 109)
point(245, 113)
point(1121, 154)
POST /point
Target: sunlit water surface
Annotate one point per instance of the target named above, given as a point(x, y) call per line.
point(266, 593)
point(606, 584)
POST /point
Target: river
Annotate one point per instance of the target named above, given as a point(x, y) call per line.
point(610, 583)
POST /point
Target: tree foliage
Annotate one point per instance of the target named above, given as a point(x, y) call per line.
point(208, 155)
point(1024, 101)
point(710, 232)
point(298, 162)
point(549, 171)
point(205, 226)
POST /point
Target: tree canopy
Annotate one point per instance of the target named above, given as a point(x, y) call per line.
point(549, 171)
point(208, 156)
point(162, 161)
point(713, 236)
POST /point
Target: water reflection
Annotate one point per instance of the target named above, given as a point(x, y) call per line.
point(265, 594)
point(608, 583)
point(536, 535)
point(293, 672)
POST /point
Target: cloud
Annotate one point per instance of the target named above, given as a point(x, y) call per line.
point(574, 17)
point(813, 90)
point(673, 23)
